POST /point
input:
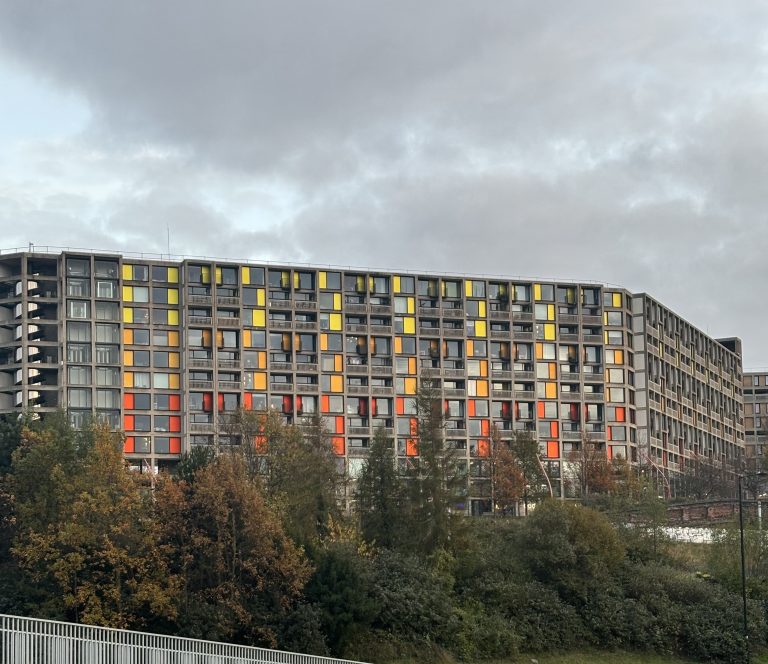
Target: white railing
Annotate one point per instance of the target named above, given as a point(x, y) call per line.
point(27, 640)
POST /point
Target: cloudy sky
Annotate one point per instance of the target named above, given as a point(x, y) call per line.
point(624, 142)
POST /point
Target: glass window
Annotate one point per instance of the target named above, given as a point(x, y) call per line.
point(78, 331)
point(107, 398)
point(106, 333)
point(107, 376)
point(79, 398)
point(141, 423)
point(451, 289)
point(141, 380)
point(107, 269)
point(407, 285)
point(141, 445)
point(141, 358)
point(107, 311)
point(79, 308)
point(79, 287)
point(79, 375)
point(140, 273)
point(108, 354)
point(106, 289)
point(78, 353)
point(78, 267)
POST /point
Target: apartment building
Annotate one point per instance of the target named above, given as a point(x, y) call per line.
point(755, 418)
point(166, 350)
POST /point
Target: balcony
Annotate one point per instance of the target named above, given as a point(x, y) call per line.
point(592, 338)
point(452, 333)
point(229, 385)
point(501, 375)
point(280, 387)
point(522, 316)
point(307, 387)
point(381, 329)
point(303, 366)
point(281, 366)
point(356, 327)
point(453, 373)
point(201, 363)
point(228, 300)
point(453, 313)
point(523, 394)
point(359, 431)
point(593, 397)
point(524, 375)
point(386, 370)
point(499, 315)
point(569, 336)
point(200, 320)
point(379, 309)
point(357, 368)
point(228, 322)
point(201, 427)
point(381, 391)
point(523, 336)
point(199, 299)
point(453, 392)
point(228, 364)
point(356, 308)
point(280, 325)
point(591, 320)
point(306, 305)
point(357, 389)
point(201, 384)
point(429, 331)
point(501, 334)
point(429, 312)
point(502, 394)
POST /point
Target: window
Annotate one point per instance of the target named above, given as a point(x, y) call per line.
point(106, 289)
point(140, 358)
point(451, 289)
point(79, 287)
point(107, 311)
point(106, 333)
point(107, 376)
point(332, 281)
point(78, 332)
point(108, 354)
point(79, 308)
point(79, 398)
point(141, 444)
point(107, 399)
point(78, 353)
point(78, 267)
point(79, 375)
point(106, 269)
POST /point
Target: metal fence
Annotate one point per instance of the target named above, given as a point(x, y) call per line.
point(35, 641)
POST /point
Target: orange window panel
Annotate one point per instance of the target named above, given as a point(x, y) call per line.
point(539, 351)
point(483, 448)
point(128, 401)
point(411, 447)
point(621, 414)
point(552, 370)
point(260, 443)
point(482, 388)
point(540, 408)
point(398, 344)
point(411, 365)
point(339, 424)
point(471, 408)
point(174, 402)
point(485, 427)
point(260, 380)
point(174, 423)
point(337, 383)
point(553, 449)
point(338, 363)
point(553, 429)
point(128, 336)
point(470, 348)
point(129, 422)
point(410, 386)
point(175, 446)
point(483, 367)
point(129, 445)
point(248, 401)
point(325, 404)
point(414, 426)
point(609, 433)
point(400, 405)
point(338, 445)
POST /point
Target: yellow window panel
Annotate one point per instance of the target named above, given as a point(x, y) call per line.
point(337, 301)
point(371, 286)
point(539, 351)
point(337, 383)
point(246, 338)
point(468, 288)
point(549, 331)
point(409, 325)
point(219, 338)
point(127, 272)
point(174, 381)
point(338, 363)
point(396, 284)
point(483, 367)
point(260, 380)
point(173, 317)
point(551, 390)
point(481, 309)
point(285, 279)
point(398, 344)
point(481, 388)
point(261, 362)
point(360, 284)
point(442, 288)
point(173, 275)
point(605, 337)
point(205, 274)
point(605, 318)
point(334, 322)
point(128, 379)
point(410, 386)
point(322, 279)
point(296, 280)
point(173, 338)
point(173, 296)
point(207, 338)
point(261, 297)
point(245, 275)
point(617, 299)
point(323, 342)
point(127, 336)
point(412, 365)
point(259, 318)
point(480, 328)
point(537, 292)
point(173, 360)
point(470, 348)
point(411, 305)
point(128, 358)
point(618, 357)
point(218, 276)
point(128, 293)
point(550, 312)
point(127, 315)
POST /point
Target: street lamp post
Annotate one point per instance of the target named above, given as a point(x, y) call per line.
point(743, 565)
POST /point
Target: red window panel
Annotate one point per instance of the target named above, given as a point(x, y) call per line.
point(411, 447)
point(553, 449)
point(573, 412)
point(338, 445)
point(483, 448)
point(400, 402)
point(609, 433)
point(174, 423)
point(287, 404)
point(325, 404)
point(339, 424)
point(248, 401)
point(414, 426)
point(471, 408)
point(174, 402)
point(362, 407)
point(208, 401)
point(221, 402)
point(485, 427)
point(553, 429)
point(374, 407)
point(506, 409)
point(621, 414)
point(128, 401)
point(299, 405)
point(129, 445)
point(175, 445)
point(540, 408)
point(129, 425)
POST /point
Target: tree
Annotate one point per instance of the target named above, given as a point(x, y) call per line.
point(507, 477)
point(85, 531)
point(588, 470)
point(240, 573)
point(703, 478)
point(379, 494)
point(434, 486)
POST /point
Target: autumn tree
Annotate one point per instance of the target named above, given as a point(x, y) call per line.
point(240, 572)
point(379, 494)
point(507, 477)
point(85, 531)
point(588, 470)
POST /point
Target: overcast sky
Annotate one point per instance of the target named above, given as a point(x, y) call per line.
point(625, 142)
